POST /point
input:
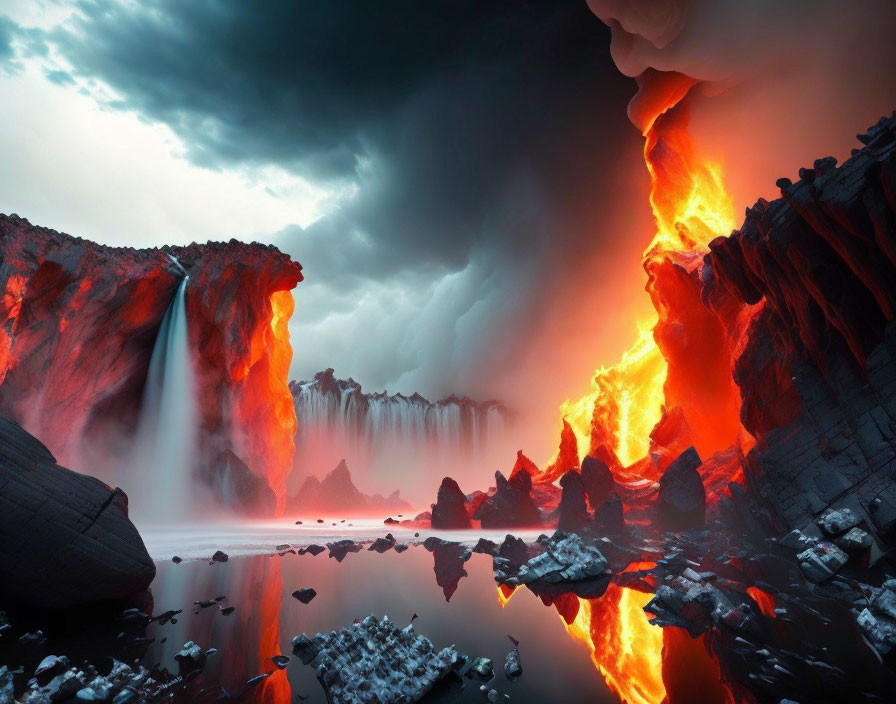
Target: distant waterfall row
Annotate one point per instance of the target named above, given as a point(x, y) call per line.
point(338, 411)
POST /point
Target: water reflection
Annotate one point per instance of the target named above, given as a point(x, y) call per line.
point(266, 617)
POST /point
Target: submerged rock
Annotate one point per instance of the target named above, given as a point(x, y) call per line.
point(304, 595)
point(513, 667)
point(375, 661)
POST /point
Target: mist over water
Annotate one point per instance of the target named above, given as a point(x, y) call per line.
point(159, 478)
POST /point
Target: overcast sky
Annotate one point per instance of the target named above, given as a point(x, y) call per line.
point(458, 179)
point(444, 172)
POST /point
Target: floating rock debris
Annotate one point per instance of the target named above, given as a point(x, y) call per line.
point(304, 595)
point(375, 661)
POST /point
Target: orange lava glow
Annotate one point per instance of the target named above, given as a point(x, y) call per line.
point(624, 647)
point(690, 207)
point(504, 594)
point(276, 688)
point(764, 600)
point(267, 402)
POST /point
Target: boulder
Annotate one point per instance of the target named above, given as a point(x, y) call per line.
point(65, 537)
point(598, 481)
point(450, 509)
point(682, 497)
point(572, 513)
point(511, 505)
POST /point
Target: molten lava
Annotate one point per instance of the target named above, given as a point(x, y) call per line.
point(691, 207)
point(267, 402)
point(624, 647)
point(677, 371)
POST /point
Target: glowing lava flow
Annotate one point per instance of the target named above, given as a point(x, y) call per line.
point(624, 647)
point(627, 400)
point(690, 207)
point(268, 403)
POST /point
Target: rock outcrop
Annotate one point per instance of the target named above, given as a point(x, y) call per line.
point(65, 537)
point(374, 660)
point(682, 497)
point(511, 505)
point(78, 322)
point(817, 370)
point(450, 511)
point(337, 494)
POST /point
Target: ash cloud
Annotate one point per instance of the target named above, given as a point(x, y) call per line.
point(488, 155)
point(782, 83)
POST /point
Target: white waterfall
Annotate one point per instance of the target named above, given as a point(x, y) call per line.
point(160, 474)
point(398, 438)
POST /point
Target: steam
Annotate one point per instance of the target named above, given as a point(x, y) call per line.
point(780, 83)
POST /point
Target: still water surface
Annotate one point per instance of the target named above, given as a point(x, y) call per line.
point(556, 667)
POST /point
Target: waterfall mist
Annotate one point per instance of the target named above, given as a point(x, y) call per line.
point(396, 441)
point(160, 475)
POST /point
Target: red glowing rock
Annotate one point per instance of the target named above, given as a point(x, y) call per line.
point(567, 456)
point(80, 321)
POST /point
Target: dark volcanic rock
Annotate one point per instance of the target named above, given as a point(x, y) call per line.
point(818, 369)
point(567, 566)
point(598, 481)
point(511, 505)
point(375, 661)
point(65, 538)
point(682, 498)
point(341, 548)
point(572, 513)
point(305, 595)
point(450, 510)
point(610, 517)
point(239, 488)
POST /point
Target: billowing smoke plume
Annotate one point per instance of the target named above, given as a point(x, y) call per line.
point(780, 83)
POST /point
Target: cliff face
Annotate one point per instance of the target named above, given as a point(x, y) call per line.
point(817, 366)
point(79, 321)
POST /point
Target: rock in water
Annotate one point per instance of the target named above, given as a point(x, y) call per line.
point(305, 595)
point(66, 538)
point(511, 505)
point(682, 497)
point(572, 513)
point(375, 661)
point(598, 481)
point(450, 509)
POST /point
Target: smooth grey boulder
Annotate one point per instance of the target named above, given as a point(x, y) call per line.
point(65, 537)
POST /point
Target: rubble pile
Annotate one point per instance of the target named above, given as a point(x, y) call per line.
point(374, 661)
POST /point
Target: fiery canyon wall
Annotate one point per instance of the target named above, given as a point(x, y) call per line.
point(817, 372)
point(79, 321)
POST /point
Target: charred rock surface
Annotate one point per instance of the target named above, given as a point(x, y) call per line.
point(511, 505)
point(375, 661)
point(682, 497)
point(65, 538)
point(817, 374)
point(450, 511)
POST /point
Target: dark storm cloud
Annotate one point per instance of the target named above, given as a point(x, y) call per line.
point(444, 103)
point(481, 140)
